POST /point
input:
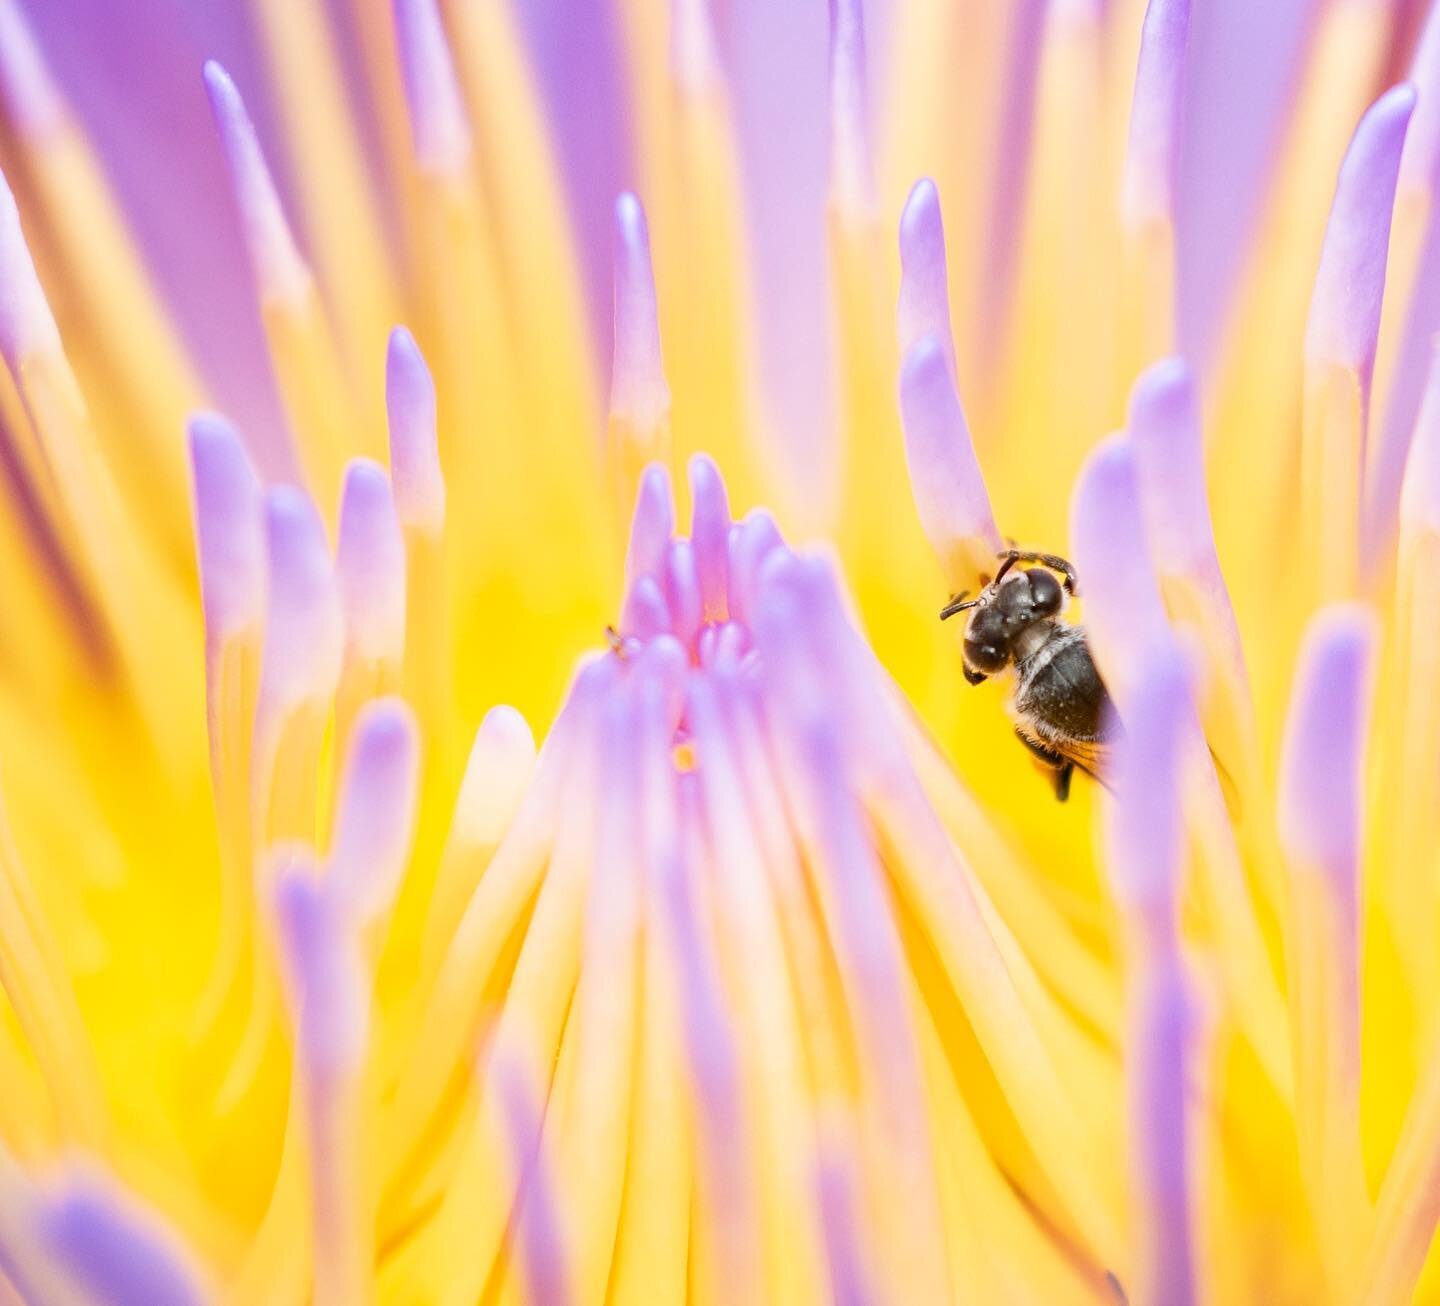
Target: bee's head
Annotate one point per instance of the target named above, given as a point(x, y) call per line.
point(1003, 610)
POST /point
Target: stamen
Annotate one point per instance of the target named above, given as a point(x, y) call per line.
point(540, 1234)
point(330, 1004)
point(497, 777)
point(1319, 814)
point(924, 281)
point(114, 1249)
point(733, 1257)
point(303, 629)
point(27, 327)
point(1164, 427)
point(279, 269)
point(1125, 617)
point(370, 568)
point(710, 535)
point(1403, 356)
point(751, 542)
point(1340, 340)
point(639, 430)
point(414, 448)
point(694, 60)
point(646, 613)
point(317, 398)
point(651, 527)
point(231, 542)
point(1345, 307)
point(852, 185)
point(438, 123)
point(1148, 200)
point(1152, 161)
point(593, 1130)
point(682, 592)
point(33, 106)
point(945, 477)
point(375, 824)
point(1145, 829)
point(1124, 613)
point(850, 1280)
point(299, 668)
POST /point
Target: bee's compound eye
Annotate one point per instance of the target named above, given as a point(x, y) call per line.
point(986, 656)
point(1045, 593)
point(987, 645)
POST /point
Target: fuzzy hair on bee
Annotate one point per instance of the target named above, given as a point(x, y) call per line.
point(1061, 709)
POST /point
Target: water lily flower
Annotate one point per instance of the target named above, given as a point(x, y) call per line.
point(390, 386)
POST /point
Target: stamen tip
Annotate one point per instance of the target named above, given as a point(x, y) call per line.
point(414, 444)
point(924, 288)
point(27, 325)
point(370, 565)
point(228, 526)
point(639, 393)
point(279, 270)
point(945, 475)
point(439, 127)
point(496, 776)
point(33, 106)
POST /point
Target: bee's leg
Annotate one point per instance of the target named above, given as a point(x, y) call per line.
point(1062, 767)
point(973, 677)
point(1051, 560)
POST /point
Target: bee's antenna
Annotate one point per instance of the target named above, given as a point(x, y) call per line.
point(958, 604)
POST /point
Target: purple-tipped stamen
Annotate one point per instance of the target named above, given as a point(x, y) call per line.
point(414, 448)
point(231, 541)
point(1152, 162)
point(370, 566)
point(439, 126)
point(639, 394)
point(924, 280)
point(279, 270)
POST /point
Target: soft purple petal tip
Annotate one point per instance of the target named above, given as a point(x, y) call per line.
point(376, 817)
point(1123, 608)
point(496, 776)
point(638, 390)
point(945, 475)
point(278, 267)
point(852, 185)
point(1164, 425)
point(1145, 826)
point(1321, 766)
point(652, 525)
point(370, 565)
point(1345, 305)
point(924, 286)
point(1420, 491)
point(228, 527)
point(303, 634)
point(710, 533)
point(694, 58)
point(32, 103)
point(322, 966)
point(117, 1251)
point(439, 127)
point(414, 447)
point(1152, 162)
point(1420, 161)
point(26, 324)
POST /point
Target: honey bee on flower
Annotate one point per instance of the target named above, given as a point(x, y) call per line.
point(374, 929)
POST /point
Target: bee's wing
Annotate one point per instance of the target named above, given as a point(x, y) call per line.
point(1091, 755)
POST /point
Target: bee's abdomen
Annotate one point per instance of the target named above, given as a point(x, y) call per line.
point(1059, 687)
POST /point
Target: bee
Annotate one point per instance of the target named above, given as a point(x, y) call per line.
point(1060, 706)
